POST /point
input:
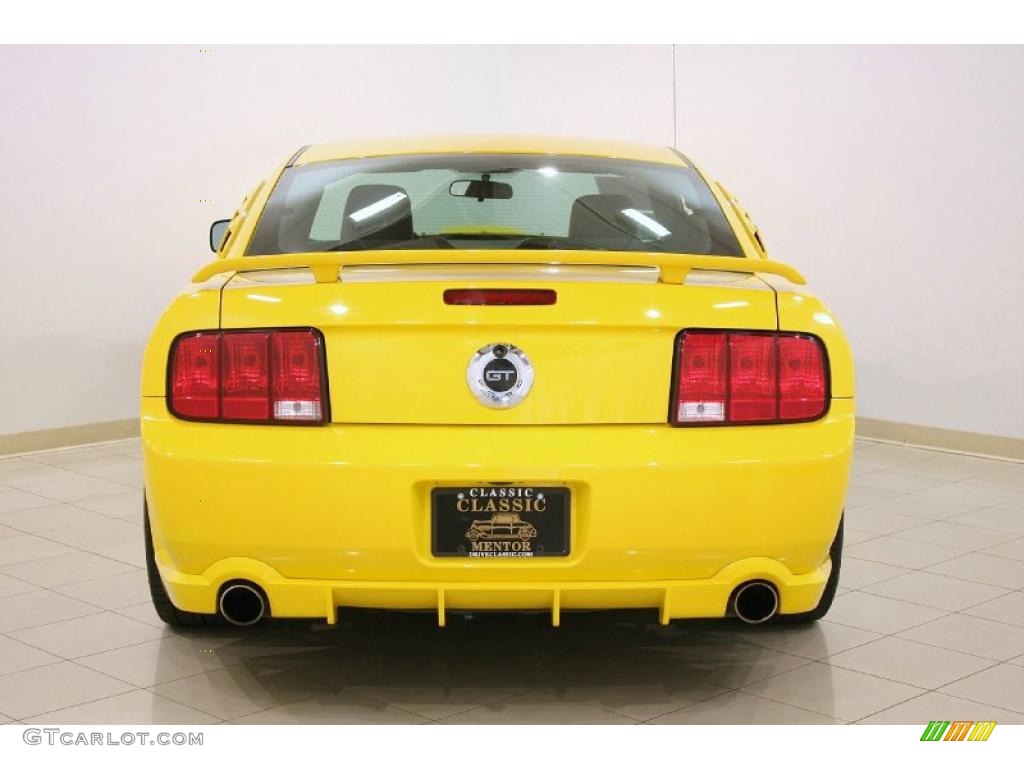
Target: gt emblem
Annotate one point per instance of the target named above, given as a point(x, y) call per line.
point(499, 375)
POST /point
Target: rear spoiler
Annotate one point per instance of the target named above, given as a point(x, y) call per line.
point(325, 266)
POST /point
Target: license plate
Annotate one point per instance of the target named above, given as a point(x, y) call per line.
point(500, 521)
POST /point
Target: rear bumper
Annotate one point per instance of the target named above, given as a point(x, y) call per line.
point(315, 598)
point(322, 518)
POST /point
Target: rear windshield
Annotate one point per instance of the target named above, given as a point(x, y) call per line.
point(494, 202)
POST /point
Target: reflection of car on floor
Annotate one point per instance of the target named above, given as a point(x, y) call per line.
point(385, 318)
point(502, 525)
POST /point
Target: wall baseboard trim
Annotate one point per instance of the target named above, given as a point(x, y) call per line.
point(63, 437)
point(954, 440)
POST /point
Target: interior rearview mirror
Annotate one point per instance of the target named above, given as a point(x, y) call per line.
point(218, 231)
point(481, 189)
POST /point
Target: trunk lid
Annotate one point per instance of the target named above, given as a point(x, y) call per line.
point(397, 354)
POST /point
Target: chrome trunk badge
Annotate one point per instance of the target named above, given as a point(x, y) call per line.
point(499, 375)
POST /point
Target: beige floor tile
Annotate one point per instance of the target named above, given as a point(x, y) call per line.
point(239, 690)
point(16, 656)
point(121, 505)
point(15, 468)
point(933, 705)
point(12, 586)
point(985, 569)
point(32, 609)
point(924, 506)
point(861, 495)
point(39, 520)
point(434, 702)
point(1001, 686)
point(143, 612)
point(879, 614)
point(853, 536)
point(131, 447)
point(856, 573)
point(1008, 609)
point(100, 535)
point(880, 522)
point(87, 635)
point(117, 591)
point(172, 657)
point(953, 467)
point(112, 467)
point(923, 666)
point(885, 456)
point(73, 487)
point(973, 491)
point(955, 536)
point(20, 549)
point(540, 708)
point(129, 478)
point(739, 708)
point(66, 569)
point(897, 481)
point(56, 686)
point(1007, 474)
point(942, 592)
point(337, 708)
point(901, 552)
point(32, 473)
point(131, 553)
point(731, 665)
point(833, 691)
point(971, 634)
point(1013, 549)
point(142, 707)
point(995, 518)
point(76, 458)
point(13, 500)
point(815, 641)
point(642, 702)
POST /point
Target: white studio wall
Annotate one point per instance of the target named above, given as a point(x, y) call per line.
point(891, 176)
point(894, 178)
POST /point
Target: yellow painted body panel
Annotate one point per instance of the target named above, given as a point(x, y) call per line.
point(338, 515)
point(337, 510)
point(397, 354)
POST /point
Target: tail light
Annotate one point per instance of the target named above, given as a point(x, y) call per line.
point(259, 376)
point(748, 377)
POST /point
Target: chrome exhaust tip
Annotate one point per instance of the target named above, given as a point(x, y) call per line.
point(755, 602)
point(242, 604)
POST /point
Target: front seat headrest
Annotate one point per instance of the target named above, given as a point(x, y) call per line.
point(377, 213)
point(598, 219)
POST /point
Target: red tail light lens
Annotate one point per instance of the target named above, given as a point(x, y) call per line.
point(297, 388)
point(195, 376)
point(753, 382)
point(249, 376)
point(501, 297)
point(703, 378)
point(246, 381)
point(802, 384)
point(745, 377)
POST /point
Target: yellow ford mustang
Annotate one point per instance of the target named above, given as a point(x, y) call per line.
point(514, 373)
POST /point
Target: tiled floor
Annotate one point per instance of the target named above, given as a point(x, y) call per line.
point(929, 624)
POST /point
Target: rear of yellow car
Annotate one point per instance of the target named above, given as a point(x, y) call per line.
point(500, 379)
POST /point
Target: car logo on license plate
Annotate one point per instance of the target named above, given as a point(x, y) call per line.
point(499, 375)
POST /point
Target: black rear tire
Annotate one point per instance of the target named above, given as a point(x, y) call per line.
point(835, 552)
point(161, 600)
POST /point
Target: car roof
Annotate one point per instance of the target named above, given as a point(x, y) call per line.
point(487, 144)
